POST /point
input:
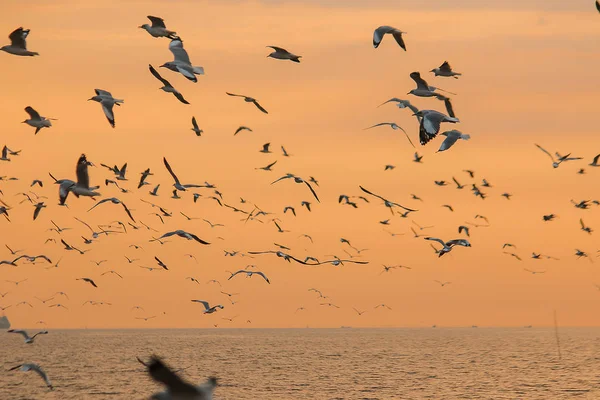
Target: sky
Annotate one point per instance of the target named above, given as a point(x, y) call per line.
point(529, 76)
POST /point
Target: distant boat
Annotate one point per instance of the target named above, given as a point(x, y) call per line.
point(434, 326)
point(345, 327)
point(528, 326)
point(474, 326)
point(4, 322)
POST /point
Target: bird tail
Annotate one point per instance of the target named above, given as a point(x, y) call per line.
point(198, 70)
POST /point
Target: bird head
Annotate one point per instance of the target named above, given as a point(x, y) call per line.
point(145, 26)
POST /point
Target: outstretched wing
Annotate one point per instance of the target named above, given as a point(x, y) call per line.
point(170, 170)
point(163, 374)
point(176, 47)
point(260, 107)
point(32, 113)
point(180, 97)
point(157, 76)
point(157, 22)
point(545, 151)
point(421, 84)
point(83, 179)
point(18, 36)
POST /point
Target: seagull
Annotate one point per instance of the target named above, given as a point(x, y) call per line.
point(167, 87)
point(534, 272)
point(108, 101)
point(423, 89)
point(38, 209)
point(177, 388)
point(88, 280)
point(417, 158)
point(449, 245)
point(207, 308)
point(182, 63)
point(36, 120)
point(297, 179)
point(146, 318)
point(283, 54)
point(18, 45)
point(442, 284)
point(394, 126)
point(185, 235)
point(112, 271)
point(451, 138)
point(560, 159)
point(580, 253)
point(114, 200)
point(37, 369)
point(178, 185)
point(445, 70)
point(160, 263)
point(28, 339)
point(249, 274)
point(594, 163)
point(380, 32)
point(242, 128)
point(430, 124)
point(249, 100)
point(195, 128)
point(584, 227)
point(268, 167)
point(158, 28)
point(386, 202)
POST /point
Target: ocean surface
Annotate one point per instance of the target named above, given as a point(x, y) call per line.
point(440, 363)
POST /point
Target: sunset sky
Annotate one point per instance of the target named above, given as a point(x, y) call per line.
point(530, 75)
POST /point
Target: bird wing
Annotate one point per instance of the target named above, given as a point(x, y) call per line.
point(40, 372)
point(436, 240)
point(263, 275)
point(279, 49)
point(157, 22)
point(235, 95)
point(421, 84)
point(101, 92)
point(445, 67)
point(194, 123)
point(598, 156)
point(197, 239)
point(17, 37)
point(379, 33)
point(19, 331)
point(157, 76)
point(127, 211)
point(180, 97)
point(170, 170)
point(448, 105)
point(398, 36)
point(187, 73)
point(163, 374)
point(312, 191)
point(448, 142)
point(372, 194)
point(237, 272)
point(32, 113)
point(545, 151)
point(260, 107)
point(176, 47)
point(83, 179)
point(204, 303)
point(107, 107)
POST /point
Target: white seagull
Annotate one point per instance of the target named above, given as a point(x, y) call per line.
point(451, 138)
point(167, 87)
point(182, 63)
point(18, 44)
point(28, 339)
point(430, 124)
point(37, 369)
point(108, 101)
point(449, 245)
point(445, 70)
point(207, 308)
point(249, 274)
point(380, 32)
point(158, 28)
point(36, 120)
point(394, 126)
point(177, 388)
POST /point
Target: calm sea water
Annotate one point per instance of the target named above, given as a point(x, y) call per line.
point(447, 363)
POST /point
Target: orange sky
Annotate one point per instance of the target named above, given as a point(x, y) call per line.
point(529, 76)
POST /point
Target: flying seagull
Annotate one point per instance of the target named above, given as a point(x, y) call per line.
point(423, 89)
point(114, 200)
point(37, 369)
point(249, 100)
point(283, 54)
point(26, 336)
point(36, 120)
point(445, 70)
point(449, 245)
point(297, 179)
point(451, 138)
point(167, 87)
point(185, 235)
point(195, 127)
point(380, 32)
point(88, 280)
point(207, 308)
point(386, 202)
point(249, 274)
point(560, 159)
point(18, 45)
point(158, 28)
point(182, 63)
point(394, 126)
point(242, 128)
point(177, 388)
point(107, 101)
point(178, 185)
point(430, 124)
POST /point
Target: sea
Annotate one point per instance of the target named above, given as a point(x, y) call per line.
point(281, 364)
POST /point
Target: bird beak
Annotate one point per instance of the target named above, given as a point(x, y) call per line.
point(140, 26)
point(23, 122)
